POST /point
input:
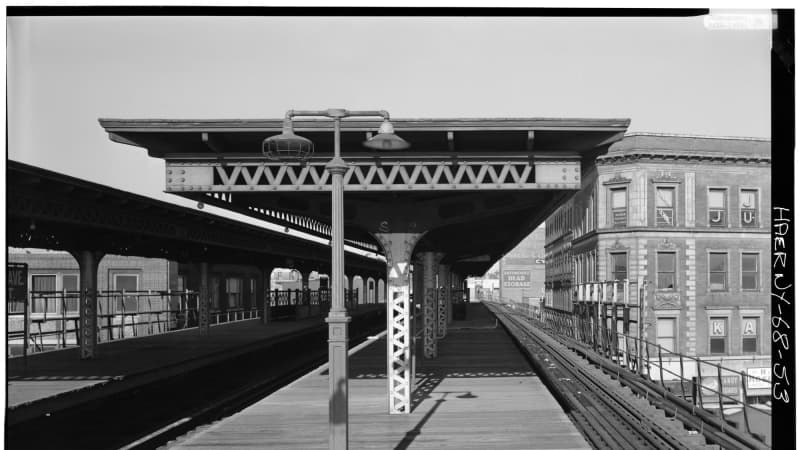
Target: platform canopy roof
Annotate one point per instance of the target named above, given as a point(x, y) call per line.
point(54, 211)
point(485, 185)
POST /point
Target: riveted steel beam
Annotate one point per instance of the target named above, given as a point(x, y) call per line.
point(366, 175)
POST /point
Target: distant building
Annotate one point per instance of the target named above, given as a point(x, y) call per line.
point(690, 215)
point(518, 277)
point(522, 270)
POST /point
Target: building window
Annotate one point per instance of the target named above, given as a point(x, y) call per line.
point(43, 289)
point(750, 335)
point(127, 283)
point(213, 293)
point(718, 334)
point(233, 289)
point(43, 283)
point(665, 206)
point(619, 266)
point(666, 271)
point(180, 283)
point(750, 271)
point(619, 207)
point(748, 209)
point(667, 332)
point(69, 283)
point(717, 207)
point(718, 271)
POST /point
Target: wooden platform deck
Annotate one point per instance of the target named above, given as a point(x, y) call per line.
point(56, 378)
point(479, 393)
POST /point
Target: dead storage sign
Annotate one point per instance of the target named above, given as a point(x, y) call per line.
point(516, 279)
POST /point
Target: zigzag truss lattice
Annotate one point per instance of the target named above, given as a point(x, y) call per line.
point(374, 175)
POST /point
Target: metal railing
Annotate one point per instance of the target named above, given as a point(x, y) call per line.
point(52, 321)
point(302, 303)
point(604, 324)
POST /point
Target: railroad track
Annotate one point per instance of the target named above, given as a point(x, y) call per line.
point(607, 413)
point(153, 415)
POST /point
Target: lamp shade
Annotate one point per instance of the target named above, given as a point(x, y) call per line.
point(287, 146)
point(386, 139)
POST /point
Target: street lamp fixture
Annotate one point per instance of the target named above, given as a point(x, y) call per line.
point(386, 139)
point(288, 146)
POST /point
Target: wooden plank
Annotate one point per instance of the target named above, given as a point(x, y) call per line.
point(479, 394)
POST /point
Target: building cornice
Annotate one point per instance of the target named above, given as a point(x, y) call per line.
point(672, 232)
point(632, 156)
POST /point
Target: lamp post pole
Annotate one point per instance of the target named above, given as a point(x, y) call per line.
point(287, 145)
point(337, 317)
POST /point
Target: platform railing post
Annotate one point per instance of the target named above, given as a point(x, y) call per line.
point(699, 382)
point(683, 390)
point(744, 403)
point(719, 396)
point(640, 324)
point(122, 319)
point(596, 298)
point(63, 318)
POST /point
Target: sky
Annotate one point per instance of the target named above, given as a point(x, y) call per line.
point(668, 75)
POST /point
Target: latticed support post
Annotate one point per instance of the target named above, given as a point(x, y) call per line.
point(88, 262)
point(203, 321)
point(430, 262)
point(443, 301)
point(398, 248)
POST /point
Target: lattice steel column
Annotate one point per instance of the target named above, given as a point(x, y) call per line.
point(398, 248)
point(451, 279)
point(264, 290)
point(88, 262)
point(430, 262)
point(203, 321)
point(443, 301)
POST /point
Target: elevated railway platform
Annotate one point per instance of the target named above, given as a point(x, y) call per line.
point(53, 381)
point(480, 393)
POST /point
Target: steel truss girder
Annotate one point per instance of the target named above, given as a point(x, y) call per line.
point(369, 175)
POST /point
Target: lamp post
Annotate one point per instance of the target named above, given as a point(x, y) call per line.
point(288, 145)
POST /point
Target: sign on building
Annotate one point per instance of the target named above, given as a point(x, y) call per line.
point(516, 279)
point(730, 388)
point(759, 374)
point(17, 282)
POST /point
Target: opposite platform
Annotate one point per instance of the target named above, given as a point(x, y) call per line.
point(59, 379)
point(480, 393)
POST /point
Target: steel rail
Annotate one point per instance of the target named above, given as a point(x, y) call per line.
point(603, 399)
point(705, 422)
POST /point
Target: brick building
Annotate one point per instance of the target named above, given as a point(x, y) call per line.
point(518, 277)
point(521, 271)
point(690, 215)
